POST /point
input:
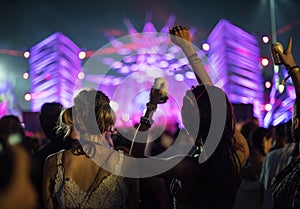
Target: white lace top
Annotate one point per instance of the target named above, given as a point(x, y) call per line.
point(111, 193)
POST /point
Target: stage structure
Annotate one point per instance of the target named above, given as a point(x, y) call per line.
point(54, 67)
point(235, 56)
point(126, 67)
point(281, 102)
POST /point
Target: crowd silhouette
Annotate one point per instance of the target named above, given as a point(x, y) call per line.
point(248, 167)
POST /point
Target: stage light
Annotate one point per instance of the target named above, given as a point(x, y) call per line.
point(268, 84)
point(26, 75)
point(27, 97)
point(264, 61)
point(179, 77)
point(81, 75)
point(114, 105)
point(163, 64)
point(268, 107)
point(281, 88)
point(82, 55)
point(125, 117)
point(205, 46)
point(265, 39)
point(190, 75)
point(26, 54)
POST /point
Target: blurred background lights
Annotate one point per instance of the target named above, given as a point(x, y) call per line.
point(179, 77)
point(81, 75)
point(125, 117)
point(190, 75)
point(265, 61)
point(26, 75)
point(281, 88)
point(205, 46)
point(268, 84)
point(82, 55)
point(26, 54)
point(268, 107)
point(114, 105)
point(265, 39)
point(27, 97)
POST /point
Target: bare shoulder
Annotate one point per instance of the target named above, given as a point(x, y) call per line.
point(51, 160)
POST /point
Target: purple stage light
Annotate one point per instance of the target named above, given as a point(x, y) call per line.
point(235, 55)
point(54, 67)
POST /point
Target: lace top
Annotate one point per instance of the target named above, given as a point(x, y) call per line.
point(111, 193)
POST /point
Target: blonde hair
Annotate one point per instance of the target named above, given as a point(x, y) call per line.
point(91, 113)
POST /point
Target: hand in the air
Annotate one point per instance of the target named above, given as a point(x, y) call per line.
point(287, 56)
point(180, 36)
point(156, 95)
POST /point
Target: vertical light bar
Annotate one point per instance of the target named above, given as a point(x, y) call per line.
point(54, 66)
point(235, 56)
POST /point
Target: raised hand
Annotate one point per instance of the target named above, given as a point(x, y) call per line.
point(180, 36)
point(287, 55)
point(155, 96)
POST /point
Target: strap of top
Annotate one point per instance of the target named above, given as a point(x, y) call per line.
point(118, 166)
point(60, 167)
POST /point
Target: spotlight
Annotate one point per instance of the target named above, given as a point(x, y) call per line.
point(268, 107)
point(265, 39)
point(26, 54)
point(264, 61)
point(82, 55)
point(81, 75)
point(205, 46)
point(268, 84)
point(26, 75)
point(27, 97)
point(281, 88)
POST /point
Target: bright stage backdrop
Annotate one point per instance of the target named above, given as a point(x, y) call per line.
point(54, 67)
point(126, 67)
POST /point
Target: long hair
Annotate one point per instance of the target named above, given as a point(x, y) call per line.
point(90, 115)
point(196, 103)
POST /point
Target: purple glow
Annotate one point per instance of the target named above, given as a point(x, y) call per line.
point(54, 67)
point(149, 27)
point(232, 66)
point(234, 54)
point(9, 102)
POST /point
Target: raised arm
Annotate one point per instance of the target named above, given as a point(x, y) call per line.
point(289, 62)
point(180, 36)
point(137, 149)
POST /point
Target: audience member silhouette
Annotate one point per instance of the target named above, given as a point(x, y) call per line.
point(48, 117)
point(285, 185)
point(275, 161)
point(213, 183)
point(250, 191)
point(16, 188)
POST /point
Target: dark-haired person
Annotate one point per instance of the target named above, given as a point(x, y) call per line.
point(213, 183)
point(48, 118)
point(285, 186)
point(250, 192)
